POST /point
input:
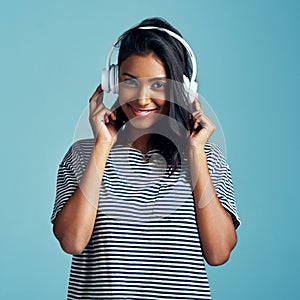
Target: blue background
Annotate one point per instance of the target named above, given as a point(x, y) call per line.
point(52, 53)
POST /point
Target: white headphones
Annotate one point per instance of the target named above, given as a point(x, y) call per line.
point(110, 80)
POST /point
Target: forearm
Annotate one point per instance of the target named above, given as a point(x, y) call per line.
point(74, 224)
point(215, 227)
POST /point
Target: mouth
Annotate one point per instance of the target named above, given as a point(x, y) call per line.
point(142, 112)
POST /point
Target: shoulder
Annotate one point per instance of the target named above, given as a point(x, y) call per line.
point(79, 152)
point(213, 151)
point(83, 147)
point(215, 157)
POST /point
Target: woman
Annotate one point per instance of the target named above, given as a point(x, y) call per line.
point(148, 200)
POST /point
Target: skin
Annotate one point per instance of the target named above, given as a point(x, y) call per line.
point(142, 98)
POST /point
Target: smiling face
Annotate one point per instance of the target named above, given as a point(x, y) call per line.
point(142, 90)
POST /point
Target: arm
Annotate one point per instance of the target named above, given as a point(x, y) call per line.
point(74, 224)
point(215, 226)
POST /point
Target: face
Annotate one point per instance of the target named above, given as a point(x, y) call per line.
point(142, 90)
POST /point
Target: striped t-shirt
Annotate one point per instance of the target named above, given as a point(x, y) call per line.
point(145, 242)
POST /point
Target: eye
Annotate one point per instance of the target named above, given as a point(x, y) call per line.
point(160, 85)
point(130, 82)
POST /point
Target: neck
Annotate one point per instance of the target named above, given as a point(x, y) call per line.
point(141, 143)
point(138, 139)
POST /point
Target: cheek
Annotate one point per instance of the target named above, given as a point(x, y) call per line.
point(165, 107)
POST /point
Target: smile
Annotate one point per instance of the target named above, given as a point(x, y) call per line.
point(142, 112)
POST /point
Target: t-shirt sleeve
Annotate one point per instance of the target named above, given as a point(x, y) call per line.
point(69, 174)
point(222, 180)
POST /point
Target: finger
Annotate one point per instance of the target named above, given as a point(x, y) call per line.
point(102, 114)
point(200, 119)
point(97, 92)
point(96, 98)
point(199, 122)
point(198, 116)
point(113, 116)
point(197, 113)
point(97, 109)
point(197, 103)
point(101, 111)
point(110, 116)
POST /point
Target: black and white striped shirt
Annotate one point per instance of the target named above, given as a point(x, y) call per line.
point(145, 242)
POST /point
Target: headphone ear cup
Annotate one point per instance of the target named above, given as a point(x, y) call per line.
point(113, 78)
point(194, 88)
point(105, 80)
point(110, 80)
point(190, 87)
point(186, 83)
point(115, 75)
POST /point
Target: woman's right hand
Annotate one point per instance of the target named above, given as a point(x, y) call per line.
point(74, 224)
point(102, 120)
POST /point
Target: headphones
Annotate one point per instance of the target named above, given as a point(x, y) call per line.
point(110, 80)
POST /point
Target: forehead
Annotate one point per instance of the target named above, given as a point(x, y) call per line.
point(143, 66)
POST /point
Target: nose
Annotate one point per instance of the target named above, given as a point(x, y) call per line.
point(143, 96)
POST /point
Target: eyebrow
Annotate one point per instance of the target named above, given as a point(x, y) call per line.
point(151, 79)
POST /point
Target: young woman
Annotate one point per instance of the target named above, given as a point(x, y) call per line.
point(148, 200)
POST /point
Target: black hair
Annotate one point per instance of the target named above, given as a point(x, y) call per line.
point(177, 63)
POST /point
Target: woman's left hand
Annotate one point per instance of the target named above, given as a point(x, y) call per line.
point(202, 127)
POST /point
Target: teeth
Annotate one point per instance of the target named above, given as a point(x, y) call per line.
point(143, 111)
